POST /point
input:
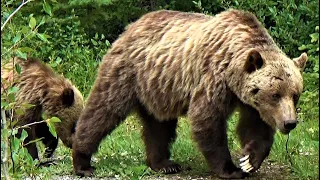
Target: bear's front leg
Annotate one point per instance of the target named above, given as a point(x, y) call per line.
point(208, 121)
point(256, 138)
point(111, 99)
point(81, 164)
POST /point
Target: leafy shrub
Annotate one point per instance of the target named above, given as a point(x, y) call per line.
point(58, 39)
point(289, 22)
point(310, 98)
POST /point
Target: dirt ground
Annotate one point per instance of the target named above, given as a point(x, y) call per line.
point(268, 171)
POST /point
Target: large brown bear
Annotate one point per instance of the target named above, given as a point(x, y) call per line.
point(51, 94)
point(169, 63)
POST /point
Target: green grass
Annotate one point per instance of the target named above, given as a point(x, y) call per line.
point(122, 153)
point(303, 147)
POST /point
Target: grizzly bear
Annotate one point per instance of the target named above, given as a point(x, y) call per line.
point(50, 94)
point(171, 63)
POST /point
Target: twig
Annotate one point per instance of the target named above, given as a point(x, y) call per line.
point(30, 124)
point(14, 12)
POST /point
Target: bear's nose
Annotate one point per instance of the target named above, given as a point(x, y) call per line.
point(290, 124)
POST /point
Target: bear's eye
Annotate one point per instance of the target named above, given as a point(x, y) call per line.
point(276, 97)
point(255, 91)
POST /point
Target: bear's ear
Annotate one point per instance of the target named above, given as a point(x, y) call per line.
point(301, 61)
point(67, 97)
point(254, 61)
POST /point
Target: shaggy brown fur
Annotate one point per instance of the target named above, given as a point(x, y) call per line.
point(169, 63)
point(50, 94)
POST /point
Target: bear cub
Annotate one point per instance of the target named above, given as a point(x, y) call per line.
point(50, 94)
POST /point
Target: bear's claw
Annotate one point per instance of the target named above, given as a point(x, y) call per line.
point(245, 164)
point(85, 172)
point(168, 167)
point(174, 168)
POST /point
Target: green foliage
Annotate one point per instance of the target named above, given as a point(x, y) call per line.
point(17, 159)
point(21, 160)
point(20, 164)
point(309, 102)
point(289, 22)
point(18, 37)
point(39, 29)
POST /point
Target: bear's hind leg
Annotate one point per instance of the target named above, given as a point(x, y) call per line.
point(158, 136)
point(256, 137)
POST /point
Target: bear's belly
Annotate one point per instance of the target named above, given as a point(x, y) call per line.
point(164, 105)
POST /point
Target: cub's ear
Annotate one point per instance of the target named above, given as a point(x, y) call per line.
point(254, 61)
point(67, 97)
point(301, 61)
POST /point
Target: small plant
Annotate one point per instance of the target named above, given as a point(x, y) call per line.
point(17, 162)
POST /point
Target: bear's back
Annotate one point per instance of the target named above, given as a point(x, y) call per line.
point(34, 80)
point(173, 53)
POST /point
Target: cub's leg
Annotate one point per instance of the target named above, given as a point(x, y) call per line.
point(31, 147)
point(110, 101)
point(31, 115)
point(208, 120)
point(158, 136)
point(256, 137)
point(50, 142)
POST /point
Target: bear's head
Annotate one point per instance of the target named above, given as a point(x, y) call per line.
point(272, 85)
point(66, 102)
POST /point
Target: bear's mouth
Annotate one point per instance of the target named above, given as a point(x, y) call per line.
point(284, 131)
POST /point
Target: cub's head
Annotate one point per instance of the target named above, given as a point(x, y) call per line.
point(63, 100)
point(273, 85)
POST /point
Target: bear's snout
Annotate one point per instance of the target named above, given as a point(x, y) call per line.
point(290, 124)
point(287, 126)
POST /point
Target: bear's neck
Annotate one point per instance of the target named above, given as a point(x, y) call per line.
point(229, 44)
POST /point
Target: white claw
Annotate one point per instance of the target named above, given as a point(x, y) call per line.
point(250, 169)
point(244, 163)
point(244, 158)
point(247, 167)
point(244, 170)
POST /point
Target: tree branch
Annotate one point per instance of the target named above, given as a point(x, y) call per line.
point(14, 12)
